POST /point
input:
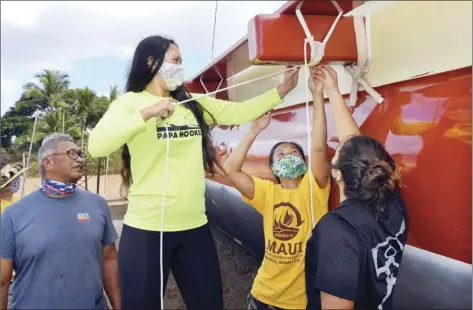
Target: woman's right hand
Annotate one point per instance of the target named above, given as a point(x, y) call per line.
point(261, 123)
point(162, 109)
point(330, 79)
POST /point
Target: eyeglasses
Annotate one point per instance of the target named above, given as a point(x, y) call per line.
point(74, 154)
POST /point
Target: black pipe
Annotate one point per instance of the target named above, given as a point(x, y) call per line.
point(98, 175)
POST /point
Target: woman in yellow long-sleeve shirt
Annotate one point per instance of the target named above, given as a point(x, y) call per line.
point(134, 121)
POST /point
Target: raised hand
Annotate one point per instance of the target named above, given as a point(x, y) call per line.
point(261, 123)
point(316, 81)
point(162, 109)
point(291, 78)
point(221, 157)
point(330, 78)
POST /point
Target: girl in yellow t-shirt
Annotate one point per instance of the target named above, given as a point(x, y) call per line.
point(285, 207)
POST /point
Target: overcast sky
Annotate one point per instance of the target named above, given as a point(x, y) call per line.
point(93, 41)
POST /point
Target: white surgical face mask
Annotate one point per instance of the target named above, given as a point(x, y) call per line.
point(172, 74)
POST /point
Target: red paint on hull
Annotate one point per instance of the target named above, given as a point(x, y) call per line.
point(266, 32)
point(425, 124)
point(235, 59)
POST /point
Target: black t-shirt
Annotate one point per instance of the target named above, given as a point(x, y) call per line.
point(354, 255)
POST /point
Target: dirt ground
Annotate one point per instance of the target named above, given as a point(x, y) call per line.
point(237, 266)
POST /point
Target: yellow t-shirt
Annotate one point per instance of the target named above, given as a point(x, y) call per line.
point(6, 203)
point(184, 206)
point(287, 224)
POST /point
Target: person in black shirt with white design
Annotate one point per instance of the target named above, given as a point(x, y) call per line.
point(355, 252)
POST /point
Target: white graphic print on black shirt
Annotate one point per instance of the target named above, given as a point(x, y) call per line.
point(387, 258)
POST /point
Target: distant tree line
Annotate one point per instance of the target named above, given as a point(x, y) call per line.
point(59, 109)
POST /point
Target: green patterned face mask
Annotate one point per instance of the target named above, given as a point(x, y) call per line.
point(289, 167)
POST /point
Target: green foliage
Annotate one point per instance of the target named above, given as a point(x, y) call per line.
point(60, 109)
point(57, 121)
point(114, 164)
point(51, 91)
point(14, 124)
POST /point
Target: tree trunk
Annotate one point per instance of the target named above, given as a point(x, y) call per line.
point(63, 115)
point(86, 177)
point(83, 131)
point(98, 174)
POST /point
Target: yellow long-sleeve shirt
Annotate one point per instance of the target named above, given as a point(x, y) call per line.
point(184, 207)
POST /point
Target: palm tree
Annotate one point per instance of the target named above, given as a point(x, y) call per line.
point(114, 93)
point(84, 105)
point(53, 121)
point(84, 101)
point(51, 93)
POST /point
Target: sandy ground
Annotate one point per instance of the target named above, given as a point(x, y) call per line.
point(109, 186)
point(237, 266)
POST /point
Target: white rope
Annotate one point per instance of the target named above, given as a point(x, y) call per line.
point(368, 35)
point(309, 144)
point(161, 235)
point(317, 50)
point(164, 114)
point(215, 26)
point(234, 86)
point(363, 47)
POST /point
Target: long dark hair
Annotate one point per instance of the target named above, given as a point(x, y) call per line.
point(369, 173)
point(140, 75)
point(273, 150)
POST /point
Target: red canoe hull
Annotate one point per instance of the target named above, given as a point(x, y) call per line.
point(425, 124)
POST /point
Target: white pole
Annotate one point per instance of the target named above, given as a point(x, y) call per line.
point(83, 131)
point(29, 155)
point(215, 26)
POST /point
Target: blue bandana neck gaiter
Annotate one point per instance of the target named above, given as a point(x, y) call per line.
point(15, 185)
point(289, 167)
point(56, 188)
